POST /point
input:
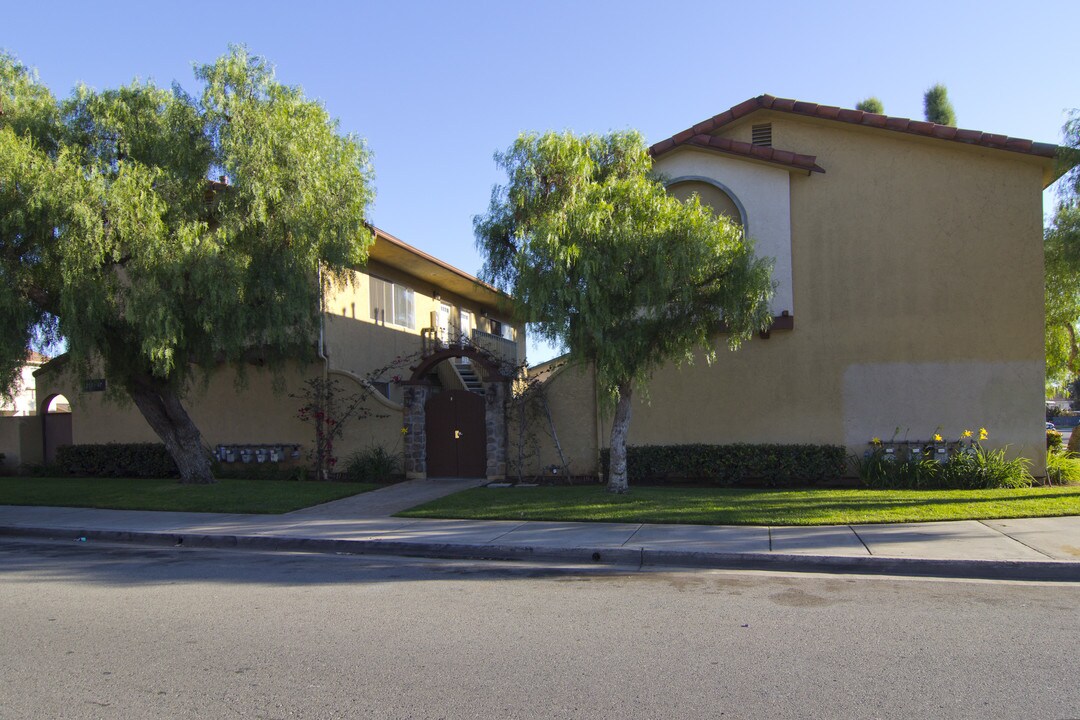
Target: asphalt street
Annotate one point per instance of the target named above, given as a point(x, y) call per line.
point(98, 631)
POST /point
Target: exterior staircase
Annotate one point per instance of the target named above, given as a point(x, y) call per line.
point(469, 377)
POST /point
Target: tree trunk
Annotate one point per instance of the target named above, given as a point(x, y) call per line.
point(161, 407)
point(620, 428)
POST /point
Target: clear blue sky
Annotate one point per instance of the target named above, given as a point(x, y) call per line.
point(437, 87)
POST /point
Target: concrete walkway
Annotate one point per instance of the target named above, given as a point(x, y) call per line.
point(1028, 549)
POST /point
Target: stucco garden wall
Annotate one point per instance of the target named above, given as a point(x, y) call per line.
point(259, 412)
point(571, 398)
point(20, 442)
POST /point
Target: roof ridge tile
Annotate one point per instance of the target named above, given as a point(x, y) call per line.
point(857, 117)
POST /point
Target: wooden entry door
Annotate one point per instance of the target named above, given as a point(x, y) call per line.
point(456, 435)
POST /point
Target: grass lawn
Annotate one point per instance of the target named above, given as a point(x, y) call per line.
point(727, 506)
point(226, 496)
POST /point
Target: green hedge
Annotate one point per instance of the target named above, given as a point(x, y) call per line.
point(771, 464)
point(138, 460)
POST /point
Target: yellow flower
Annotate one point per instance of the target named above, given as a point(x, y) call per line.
point(404, 430)
point(937, 437)
point(875, 441)
point(967, 433)
point(983, 434)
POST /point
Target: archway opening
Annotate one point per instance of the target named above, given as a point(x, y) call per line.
point(57, 404)
point(466, 433)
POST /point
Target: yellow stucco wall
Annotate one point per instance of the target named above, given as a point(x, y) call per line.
point(261, 410)
point(571, 398)
point(9, 442)
point(918, 283)
point(358, 345)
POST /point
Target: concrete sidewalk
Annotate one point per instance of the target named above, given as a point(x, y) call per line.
point(1026, 549)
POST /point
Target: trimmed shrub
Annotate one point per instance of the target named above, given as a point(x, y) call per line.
point(771, 464)
point(375, 464)
point(136, 460)
point(1053, 439)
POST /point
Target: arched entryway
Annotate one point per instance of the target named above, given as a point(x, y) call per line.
point(465, 434)
point(55, 426)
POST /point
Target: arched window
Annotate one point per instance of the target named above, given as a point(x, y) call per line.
point(721, 200)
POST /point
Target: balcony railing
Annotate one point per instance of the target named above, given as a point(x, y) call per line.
point(504, 351)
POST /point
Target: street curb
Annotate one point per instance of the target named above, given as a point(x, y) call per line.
point(972, 569)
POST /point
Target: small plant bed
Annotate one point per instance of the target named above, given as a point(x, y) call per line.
point(739, 506)
point(225, 496)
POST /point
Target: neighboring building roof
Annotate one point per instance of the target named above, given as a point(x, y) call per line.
point(36, 358)
point(699, 135)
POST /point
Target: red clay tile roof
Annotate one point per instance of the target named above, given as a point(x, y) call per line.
point(692, 136)
point(734, 147)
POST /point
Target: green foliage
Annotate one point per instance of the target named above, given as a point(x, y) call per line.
point(1062, 468)
point(937, 108)
point(127, 460)
point(1053, 439)
point(742, 506)
point(263, 471)
point(325, 405)
point(1061, 244)
point(770, 464)
point(227, 496)
point(609, 266)
point(328, 410)
point(605, 263)
point(871, 105)
point(374, 464)
point(986, 469)
point(117, 238)
point(971, 467)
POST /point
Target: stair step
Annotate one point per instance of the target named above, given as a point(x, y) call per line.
point(470, 378)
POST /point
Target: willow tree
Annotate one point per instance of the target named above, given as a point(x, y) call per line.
point(607, 265)
point(1062, 261)
point(161, 234)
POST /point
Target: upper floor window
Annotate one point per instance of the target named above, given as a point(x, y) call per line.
point(503, 330)
point(392, 303)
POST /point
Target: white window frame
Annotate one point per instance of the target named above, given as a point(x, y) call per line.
point(402, 304)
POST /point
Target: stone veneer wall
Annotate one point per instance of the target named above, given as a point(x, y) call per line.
point(495, 420)
point(415, 397)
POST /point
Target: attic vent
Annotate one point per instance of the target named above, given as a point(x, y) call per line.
point(761, 135)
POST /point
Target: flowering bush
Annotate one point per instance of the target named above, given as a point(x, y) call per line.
point(963, 464)
point(1053, 440)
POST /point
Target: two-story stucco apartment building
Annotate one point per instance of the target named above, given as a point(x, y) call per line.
point(909, 270)
point(908, 261)
point(403, 304)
